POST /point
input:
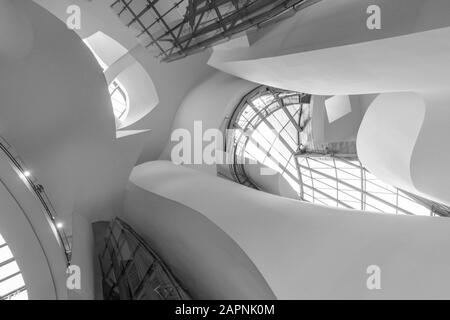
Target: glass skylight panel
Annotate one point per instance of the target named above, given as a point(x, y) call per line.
point(261, 140)
point(348, 194)
point(291, 135)
point(12, 284)
point(9, 269)
point(277, 126)
point(266, 132)
point(342, 174)
point(291, 100)
point(267, 100)
point(255, 152)
point(281, 117)
point(407, 204)
point(259, 103)
point(294, 184)
point(282, 149)
point(274, 119)
point(272, 165)
point(5, 254)
point(20, 296)
point(294, 109)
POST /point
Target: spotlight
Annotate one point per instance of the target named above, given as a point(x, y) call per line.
point(59, 225)
point(27, 173)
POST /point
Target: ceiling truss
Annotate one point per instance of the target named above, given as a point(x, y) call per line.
point(178, 28)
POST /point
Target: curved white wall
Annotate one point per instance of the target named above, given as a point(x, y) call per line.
point(307, 251)
point(16, 32)
point(403, 140)
point(209, 102)
point(171, 81)
point(431, 156)
point(56, 112)
point(120, 65)
point(327, 49)
point(142, 94)
point(31, 236)
point(388, 134)
point(26, 249)
point(207, 262)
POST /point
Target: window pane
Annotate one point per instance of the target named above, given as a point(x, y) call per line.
point(326, 180)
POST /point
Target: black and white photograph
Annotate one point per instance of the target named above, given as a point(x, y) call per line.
point(224, 158)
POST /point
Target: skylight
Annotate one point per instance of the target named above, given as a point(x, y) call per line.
point(274, 129)
point(12, 285)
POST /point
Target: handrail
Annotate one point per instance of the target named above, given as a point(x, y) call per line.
point(40, 193)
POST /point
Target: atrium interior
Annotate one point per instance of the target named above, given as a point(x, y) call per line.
point(224, 149)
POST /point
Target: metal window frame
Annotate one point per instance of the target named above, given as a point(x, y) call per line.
point(261, 115)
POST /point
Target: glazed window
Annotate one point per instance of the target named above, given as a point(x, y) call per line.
point(273, 127)
point(119, 99)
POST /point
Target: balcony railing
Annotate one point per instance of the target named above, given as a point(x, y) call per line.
point(38, 189)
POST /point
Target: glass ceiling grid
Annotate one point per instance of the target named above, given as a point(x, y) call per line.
point(271, 125)
point(12, 285)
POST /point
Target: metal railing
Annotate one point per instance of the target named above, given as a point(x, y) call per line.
point(131, 270)
point(39, 191)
